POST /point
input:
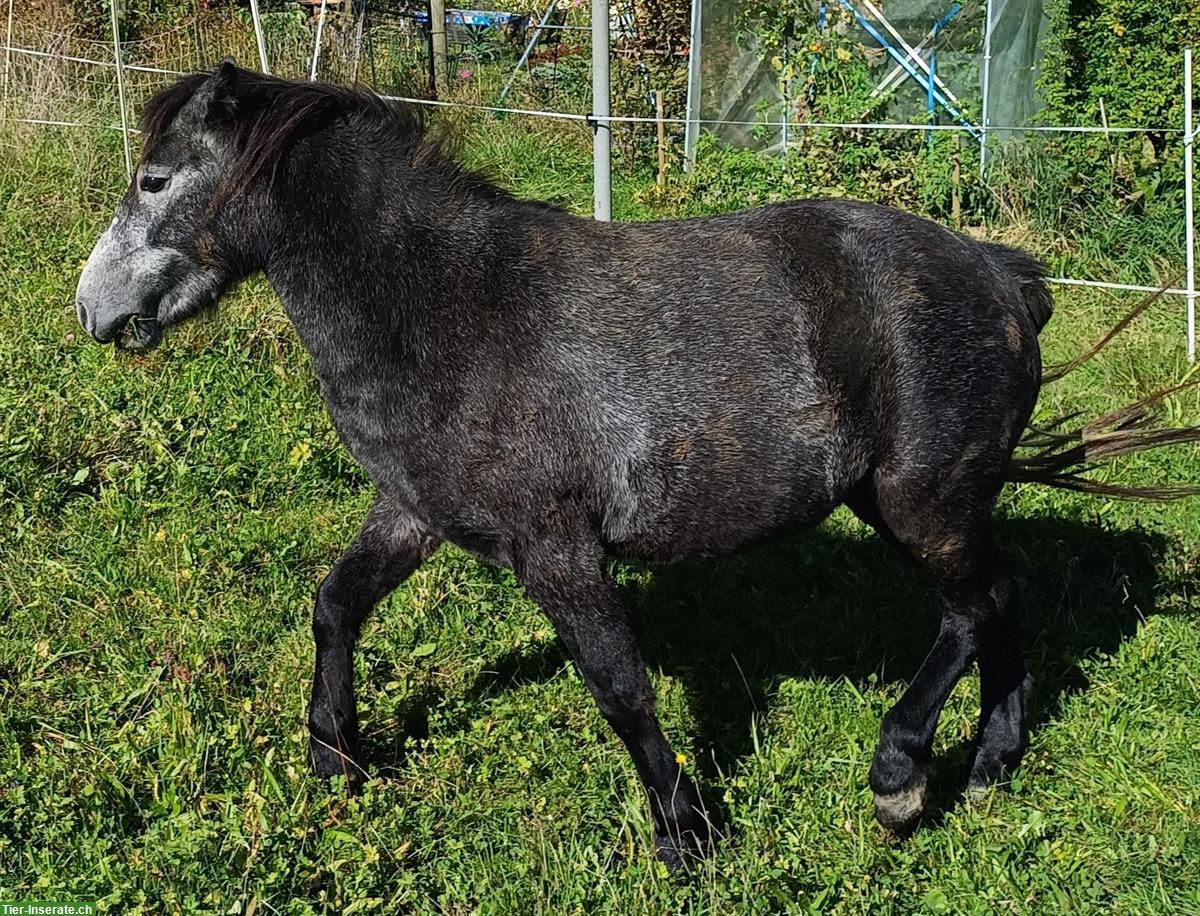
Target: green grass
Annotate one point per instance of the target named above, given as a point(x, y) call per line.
point(165, 520)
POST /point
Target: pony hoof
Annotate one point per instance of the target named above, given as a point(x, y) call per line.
point(682, 852)
point(899, 811)
point(328, 762)
point(978, 794)
point(987, 773)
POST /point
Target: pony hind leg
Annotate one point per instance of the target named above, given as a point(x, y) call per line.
point(1004, 694)
point(945, 530)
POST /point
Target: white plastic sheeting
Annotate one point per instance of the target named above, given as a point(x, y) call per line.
point(738, 82)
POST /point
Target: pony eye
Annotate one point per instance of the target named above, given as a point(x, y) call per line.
point(152, 183)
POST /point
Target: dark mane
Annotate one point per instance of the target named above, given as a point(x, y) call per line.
point(270, 114)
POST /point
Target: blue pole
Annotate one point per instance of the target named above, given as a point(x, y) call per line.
point(945, 20)
point(930, 101)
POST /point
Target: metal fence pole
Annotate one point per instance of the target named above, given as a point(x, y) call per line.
point(783, 132)
point(691, 130)
point(358, 40)
point(601, 109)
point(201, 55)
point(1189, 138)
point(987, 72)
point(116, 33)
point(312, 73)
point(259, 37)
point(533, 40)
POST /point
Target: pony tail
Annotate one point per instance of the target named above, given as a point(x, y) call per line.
point(1065, 456)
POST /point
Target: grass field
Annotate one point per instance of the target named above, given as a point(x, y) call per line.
point(165, 520)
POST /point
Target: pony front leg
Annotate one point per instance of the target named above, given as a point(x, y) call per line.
point(570, 586)
point(388, 548)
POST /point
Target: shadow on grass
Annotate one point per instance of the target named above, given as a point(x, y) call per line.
point(839, 605)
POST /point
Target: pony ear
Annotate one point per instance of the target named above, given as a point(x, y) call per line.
point(215, 102)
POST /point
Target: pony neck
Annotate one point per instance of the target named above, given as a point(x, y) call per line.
point(365, 245)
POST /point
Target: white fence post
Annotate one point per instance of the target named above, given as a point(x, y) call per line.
point(116, 32)
point(691, 130)
point(1189, 138)
point(601, 109)
point(987, 74)
point(259, 38)
point(358, 39)
point(312, 73)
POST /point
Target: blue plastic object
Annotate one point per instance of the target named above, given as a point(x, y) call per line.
point(925, 83)
point(478, 19)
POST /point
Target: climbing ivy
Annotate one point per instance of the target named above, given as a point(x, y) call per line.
point(1117, 60)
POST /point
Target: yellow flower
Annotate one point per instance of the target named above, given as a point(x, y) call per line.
point(300, 454)
point(681, 759)
point(843, 54)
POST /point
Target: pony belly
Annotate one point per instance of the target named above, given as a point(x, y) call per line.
point(726, 513)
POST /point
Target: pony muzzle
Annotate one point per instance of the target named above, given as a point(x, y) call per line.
point(126, 329)
point(139, 333)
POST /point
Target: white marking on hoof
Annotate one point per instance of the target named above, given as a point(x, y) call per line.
point(900, 809)
point(978, 794)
